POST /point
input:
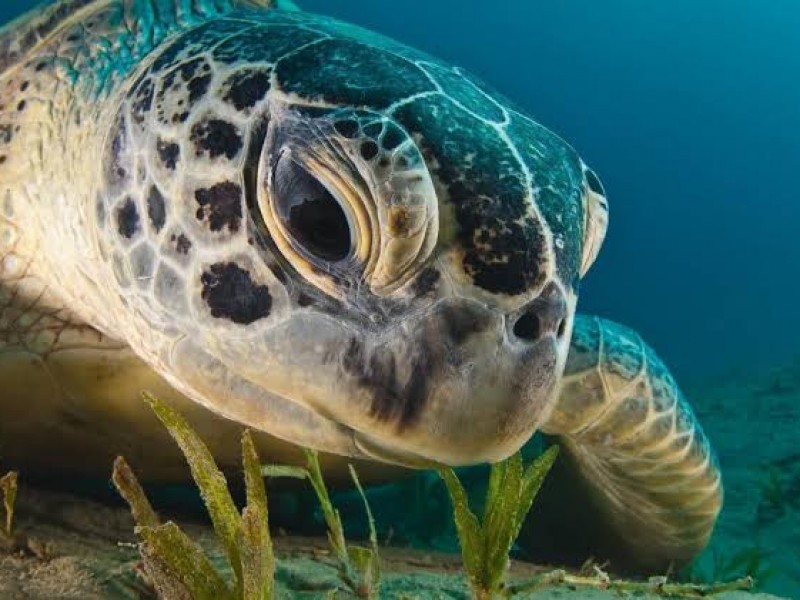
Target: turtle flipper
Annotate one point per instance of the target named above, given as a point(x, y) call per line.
point(633, 440)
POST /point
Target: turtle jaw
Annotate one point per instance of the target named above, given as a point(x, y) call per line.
point(448, 386)
point(471, 421)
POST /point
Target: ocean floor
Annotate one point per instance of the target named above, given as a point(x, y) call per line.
point(75, 548)
point(754, 423)
point(82, 549)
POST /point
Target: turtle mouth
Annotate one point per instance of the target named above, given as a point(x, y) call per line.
point(373, 448)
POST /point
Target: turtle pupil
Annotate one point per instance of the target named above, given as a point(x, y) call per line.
point(310, 213)
point(321, 226)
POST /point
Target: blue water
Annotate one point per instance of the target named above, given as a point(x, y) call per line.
point(689, 110)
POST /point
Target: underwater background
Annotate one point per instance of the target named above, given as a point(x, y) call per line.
point(689, 110)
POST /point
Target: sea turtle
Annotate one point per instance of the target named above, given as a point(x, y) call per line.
point(276, 219)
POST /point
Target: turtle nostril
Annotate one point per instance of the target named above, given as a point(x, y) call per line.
point(528, 326)
point(546, 315)
point(562, 328)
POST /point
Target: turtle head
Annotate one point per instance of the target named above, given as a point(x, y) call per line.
point(347, 244)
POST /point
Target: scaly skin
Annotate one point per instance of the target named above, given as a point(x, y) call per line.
point(154, 158)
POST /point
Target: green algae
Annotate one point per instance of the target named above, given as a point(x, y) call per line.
point(176, 564)
point(8, 488)
point(486, 543)
point(358, 566)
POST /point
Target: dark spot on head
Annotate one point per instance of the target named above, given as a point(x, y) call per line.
point(459, 322)
point(142, 101)
point(41, 66)
point(215, 138)
point(128, 218)
point(169, 153)
point(220, 205)
point(347, 127)
point(21, 106)
point(182, 244)
point(304, 300)
point(100, 210)
point(230, 293)
point(24, 86)
point(2, 158)
point(246, 88)
point(426, 281)
point(399, 221)
point(198, 87)
point(156, 209)
point(369, 150)
point(393, 396)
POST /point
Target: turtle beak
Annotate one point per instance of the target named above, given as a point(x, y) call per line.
point(490, 380)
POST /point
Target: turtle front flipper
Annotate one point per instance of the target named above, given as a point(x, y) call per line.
point(634, 443)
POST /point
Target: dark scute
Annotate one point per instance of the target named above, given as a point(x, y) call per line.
point(221, 206)
point(246, 88)
point(215, 138)
point(373, 130)
point(347, 127)
point(346, 72)
point(369, 150)
point(156, 208)
point(558, 176)
point(128, 219)
point(230, 293)
point(115, 171)
point(502, 245)
point(392, 138)
point(198, 88)
point(169, 153)
point(142, 100)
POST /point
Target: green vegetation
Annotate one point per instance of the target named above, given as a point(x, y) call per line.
point(8, 489)
point(177, 565)
point(486, 544)
point(179, 568)
point(358, 567)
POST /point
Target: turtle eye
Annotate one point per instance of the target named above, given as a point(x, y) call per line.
point(310, 213)
point(596, 224)
point(593, 181)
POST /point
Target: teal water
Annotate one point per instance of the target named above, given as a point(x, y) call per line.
point(690, 112)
